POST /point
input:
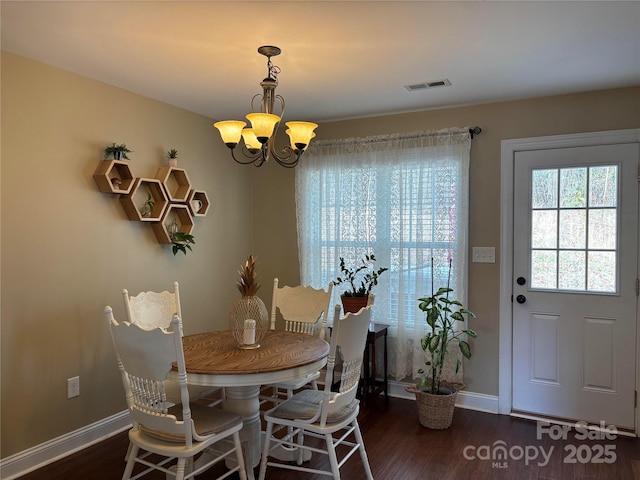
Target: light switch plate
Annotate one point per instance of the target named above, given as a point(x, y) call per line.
point(484, 255)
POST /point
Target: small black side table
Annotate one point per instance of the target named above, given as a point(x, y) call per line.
point(370, 385)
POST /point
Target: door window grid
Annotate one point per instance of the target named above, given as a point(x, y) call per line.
point(573, 238)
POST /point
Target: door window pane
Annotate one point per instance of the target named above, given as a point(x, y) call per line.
point(603, 186)
point(602, 229)
point(544, 189)
point(572, 269)
point(573, 228)
point(544, 229)
point(543, 269)
point(573, 187)
point(602, 272)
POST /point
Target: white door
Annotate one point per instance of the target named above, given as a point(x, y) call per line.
point(574, 293)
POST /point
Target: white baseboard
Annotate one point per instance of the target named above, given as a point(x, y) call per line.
point(24, 462)
point(469, 400)
point(48, 452)
point(480, 402)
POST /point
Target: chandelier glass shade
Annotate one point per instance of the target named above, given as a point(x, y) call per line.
point(260, 138)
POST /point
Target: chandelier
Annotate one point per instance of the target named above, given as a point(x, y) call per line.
point(259, 140)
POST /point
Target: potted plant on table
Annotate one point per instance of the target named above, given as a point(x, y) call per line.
point(434, 396)
point(360, 278)
point(117, 152)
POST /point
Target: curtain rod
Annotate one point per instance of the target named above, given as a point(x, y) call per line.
point(383, 138)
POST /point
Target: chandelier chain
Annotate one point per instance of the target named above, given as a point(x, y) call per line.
point(272, 70)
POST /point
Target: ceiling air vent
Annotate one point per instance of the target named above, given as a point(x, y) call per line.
point(422, 86)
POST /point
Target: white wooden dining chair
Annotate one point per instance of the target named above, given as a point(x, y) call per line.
point(167, 436)
point(330, 416)
point(304, 309)
point(337, 369)
point(156, 309)
point(153, 309)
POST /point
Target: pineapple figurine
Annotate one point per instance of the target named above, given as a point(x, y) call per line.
point(248, 284)
point(249, 318)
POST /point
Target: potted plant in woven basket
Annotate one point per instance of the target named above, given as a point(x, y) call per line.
point(360, 278)
point(435, 397)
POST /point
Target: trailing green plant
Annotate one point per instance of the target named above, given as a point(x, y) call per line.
point(173, 153)
point(148, 205)
point(181, 242)
point(442, 315)
point(113, 151)
point(361, 278)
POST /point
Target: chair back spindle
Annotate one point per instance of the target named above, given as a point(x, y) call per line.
point(304, 309)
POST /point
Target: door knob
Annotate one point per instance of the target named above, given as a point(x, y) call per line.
point(521, 299)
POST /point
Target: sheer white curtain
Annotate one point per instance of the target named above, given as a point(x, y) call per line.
point(403, 197)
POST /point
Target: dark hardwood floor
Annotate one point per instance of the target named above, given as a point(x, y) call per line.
point(400, 449)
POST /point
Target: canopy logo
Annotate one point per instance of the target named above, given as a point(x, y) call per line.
point(499, 453)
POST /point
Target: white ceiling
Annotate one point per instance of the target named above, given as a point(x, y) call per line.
point(339, 59)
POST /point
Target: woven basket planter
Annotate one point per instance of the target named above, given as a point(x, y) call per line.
point(435, 411)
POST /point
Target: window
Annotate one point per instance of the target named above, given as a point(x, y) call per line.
point(403, 198)
point(574, 229)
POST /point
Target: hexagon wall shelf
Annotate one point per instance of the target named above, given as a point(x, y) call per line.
point(113, 176)
point(170, 190)
point(198, 196)
point(176, 183)
point(176, 212)
point(134, 203)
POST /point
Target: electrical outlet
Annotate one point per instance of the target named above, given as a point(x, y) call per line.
point(73, 387)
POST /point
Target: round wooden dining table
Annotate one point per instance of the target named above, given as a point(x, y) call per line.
point(214, 359)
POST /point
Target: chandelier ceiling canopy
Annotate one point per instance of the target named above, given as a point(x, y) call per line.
point(259, 139)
